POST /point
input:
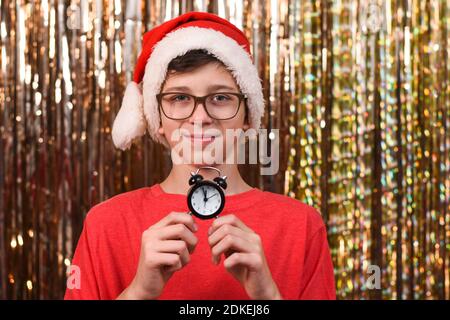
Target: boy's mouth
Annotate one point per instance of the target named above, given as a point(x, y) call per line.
point(200, 138)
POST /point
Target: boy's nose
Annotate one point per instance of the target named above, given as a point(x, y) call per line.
point(200, 115)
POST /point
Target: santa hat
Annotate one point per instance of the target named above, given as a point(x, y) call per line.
point(193, 30)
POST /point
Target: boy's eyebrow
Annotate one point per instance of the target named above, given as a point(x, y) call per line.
point(210, 88)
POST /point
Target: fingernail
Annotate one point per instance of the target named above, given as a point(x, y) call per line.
point(209, 231)
point(195, 227)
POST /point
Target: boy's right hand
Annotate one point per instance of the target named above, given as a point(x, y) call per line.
point(165, 248)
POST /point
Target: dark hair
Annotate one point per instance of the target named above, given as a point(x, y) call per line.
point(191, 60)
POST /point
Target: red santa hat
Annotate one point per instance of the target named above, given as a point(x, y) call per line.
point(173, 38)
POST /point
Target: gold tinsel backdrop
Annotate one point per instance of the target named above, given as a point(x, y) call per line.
point(358, 88)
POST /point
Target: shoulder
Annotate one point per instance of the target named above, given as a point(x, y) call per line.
point(294, 210)
point(117, 208)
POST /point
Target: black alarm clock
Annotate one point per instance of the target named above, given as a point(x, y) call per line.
point(206, 199)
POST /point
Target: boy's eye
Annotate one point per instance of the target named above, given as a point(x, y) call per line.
point(180, 97)
point(220, 97)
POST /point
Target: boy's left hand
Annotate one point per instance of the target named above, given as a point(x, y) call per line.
point(245, 258)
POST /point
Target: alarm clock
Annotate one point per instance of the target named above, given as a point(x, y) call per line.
point(206, 199)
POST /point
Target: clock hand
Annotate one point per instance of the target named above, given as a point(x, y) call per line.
point(205, 195)
point(215, 194)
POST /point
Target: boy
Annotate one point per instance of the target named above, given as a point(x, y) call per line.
point(142, 244)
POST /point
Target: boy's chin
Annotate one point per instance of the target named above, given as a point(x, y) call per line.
point(201, 159)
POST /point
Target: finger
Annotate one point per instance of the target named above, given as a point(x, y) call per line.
point(174, 246)
point(228, 219)
point(179, 232)
point(230, 244)
point(251, 260)
point(175, 218)
point(170, 260)
point(224, 230)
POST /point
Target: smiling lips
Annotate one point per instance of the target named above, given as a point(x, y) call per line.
point(200, 138)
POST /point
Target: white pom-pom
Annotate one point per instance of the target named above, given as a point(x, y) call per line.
point(130, 122)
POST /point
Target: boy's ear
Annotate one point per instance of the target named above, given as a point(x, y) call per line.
point(160, 129)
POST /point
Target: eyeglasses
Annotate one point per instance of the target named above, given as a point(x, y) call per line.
point(219, 105)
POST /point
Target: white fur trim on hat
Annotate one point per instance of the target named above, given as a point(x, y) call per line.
point(224, 48)
point(129, 123)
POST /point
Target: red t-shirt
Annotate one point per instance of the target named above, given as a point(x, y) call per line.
point(293, 236)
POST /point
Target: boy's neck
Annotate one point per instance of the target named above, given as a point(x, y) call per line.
point(177, 180)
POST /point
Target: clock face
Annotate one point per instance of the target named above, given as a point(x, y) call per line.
point(206, 200)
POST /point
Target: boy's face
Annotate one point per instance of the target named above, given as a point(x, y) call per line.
point(209, 133)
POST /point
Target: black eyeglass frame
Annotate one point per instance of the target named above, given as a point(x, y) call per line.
point(197, 100)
